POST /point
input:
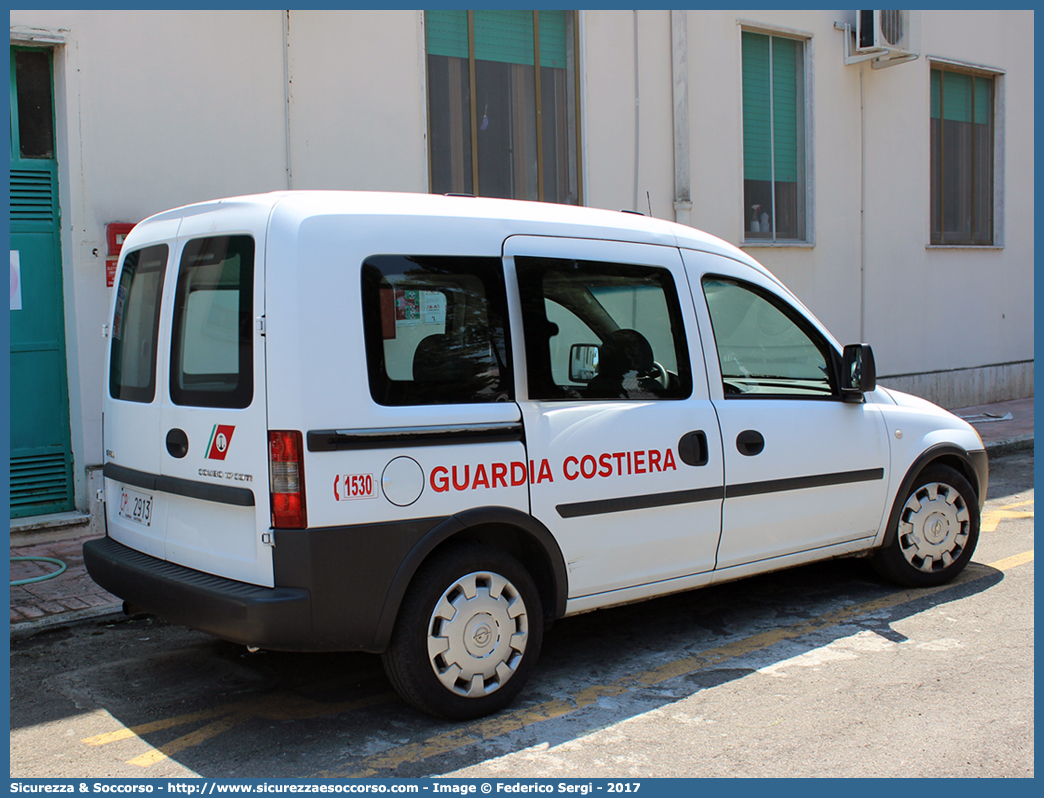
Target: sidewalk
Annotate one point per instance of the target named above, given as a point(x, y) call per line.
point(73, 596)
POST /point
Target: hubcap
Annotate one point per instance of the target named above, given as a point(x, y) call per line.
point(478, 634)
point(934, 527)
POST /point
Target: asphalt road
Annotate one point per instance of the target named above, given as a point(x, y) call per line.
point(818, 671)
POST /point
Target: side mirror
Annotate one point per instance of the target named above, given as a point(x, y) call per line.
point(583, 362)
point(858, 372)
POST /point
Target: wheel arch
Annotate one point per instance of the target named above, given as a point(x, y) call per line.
point(518, 533)
point(971, 465)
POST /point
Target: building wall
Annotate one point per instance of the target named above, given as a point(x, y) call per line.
point(156, 109)
point(358, 102)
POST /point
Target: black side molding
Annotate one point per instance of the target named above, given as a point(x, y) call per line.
point(222, 494)
point(333, 440)
point(643, 502)
point(800, 483)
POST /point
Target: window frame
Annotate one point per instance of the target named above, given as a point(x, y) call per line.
point(820, 341)
point(541, 386)
point(20, 119)
point(242, 395)
point(996, 204)
point(488, 271)
point(118, 390)
point(807, 42)
point(574, 146)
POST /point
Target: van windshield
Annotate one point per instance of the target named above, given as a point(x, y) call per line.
point(212, 341)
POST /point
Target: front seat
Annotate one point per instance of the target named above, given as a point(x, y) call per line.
point(625, 363)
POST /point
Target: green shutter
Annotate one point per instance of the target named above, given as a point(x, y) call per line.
point(781, 108)
point(983, 88)
point(447, 33)
point(757, 145)
point(955, 95)
point(936, 101)
point(33, 196)
point(553, 39)
point(785, 110)
point(503, 36)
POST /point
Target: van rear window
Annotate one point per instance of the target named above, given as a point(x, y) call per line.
point(135, 325)
point(211, 358)
point(436, 330)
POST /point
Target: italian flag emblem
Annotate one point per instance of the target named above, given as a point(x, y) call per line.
point(220, 438)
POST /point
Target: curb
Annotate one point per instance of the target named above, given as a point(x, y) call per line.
point(1010, 444)
point(26, 629)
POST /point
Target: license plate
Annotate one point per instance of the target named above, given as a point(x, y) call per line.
point(136, 506)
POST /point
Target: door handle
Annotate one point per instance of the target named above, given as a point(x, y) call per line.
point(692, 448)
point(177, 443)
point(750, 442)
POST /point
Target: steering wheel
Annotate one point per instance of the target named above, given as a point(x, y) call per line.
point(659, 373)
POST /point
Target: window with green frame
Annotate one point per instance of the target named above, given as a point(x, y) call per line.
point(498, 125)
point(962, 134)
point(774, 169)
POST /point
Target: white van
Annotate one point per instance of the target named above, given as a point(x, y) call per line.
point(427, 426)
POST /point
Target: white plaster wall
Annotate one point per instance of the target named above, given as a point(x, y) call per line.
point(608, 114)
point(153, 110)
point(359, 100)
point(827, 275)
point(955, 307)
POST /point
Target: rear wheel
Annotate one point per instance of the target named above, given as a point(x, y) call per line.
point(937, 530)
point(467, 635)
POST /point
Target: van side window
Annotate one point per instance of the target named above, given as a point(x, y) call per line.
point(764, 347)
point(212, 342)
point(436, 330)
point(602, 331)
point(135, 325)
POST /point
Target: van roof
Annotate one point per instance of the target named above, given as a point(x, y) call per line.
point(512, 217)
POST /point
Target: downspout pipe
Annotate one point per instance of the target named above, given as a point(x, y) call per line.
point(680, 89)
point(287, 97)
point(637, 111)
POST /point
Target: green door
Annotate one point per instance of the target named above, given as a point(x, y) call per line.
point(41, 455)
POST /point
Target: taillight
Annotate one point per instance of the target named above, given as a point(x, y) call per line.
point(286, 476)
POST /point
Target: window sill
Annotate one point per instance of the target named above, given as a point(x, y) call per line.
point(776, 245)
point(964, 246)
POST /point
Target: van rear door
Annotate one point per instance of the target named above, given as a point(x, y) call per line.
point(213, 421)
point(186, 420)
point(135, 510)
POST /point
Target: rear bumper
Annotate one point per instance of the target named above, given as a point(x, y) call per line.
point(277, 618)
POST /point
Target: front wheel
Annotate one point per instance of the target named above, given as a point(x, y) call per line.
point(468, 633)
point(936, 533)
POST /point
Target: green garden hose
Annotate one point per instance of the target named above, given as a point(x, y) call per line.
point(61, 569)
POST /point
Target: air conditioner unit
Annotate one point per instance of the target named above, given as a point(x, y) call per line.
point(895, 32)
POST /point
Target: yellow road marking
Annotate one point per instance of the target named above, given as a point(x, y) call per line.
point(293, 707)
point(147, 728)
point(993, 516)
point(279, 706)
point(189, 740)
point(1010, 562)
point(511, 721)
